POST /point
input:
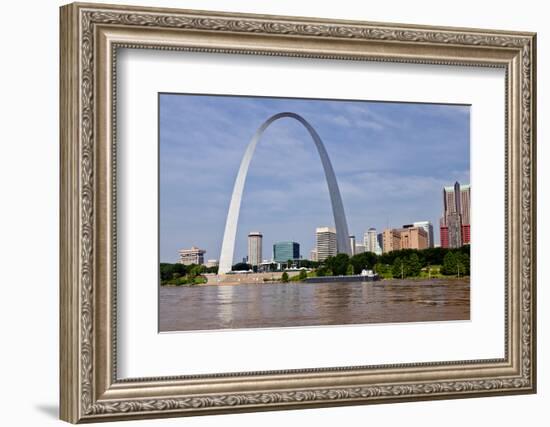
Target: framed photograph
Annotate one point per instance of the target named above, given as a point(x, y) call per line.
point(266, 212)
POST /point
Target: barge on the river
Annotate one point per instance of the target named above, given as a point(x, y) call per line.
point(365, 276)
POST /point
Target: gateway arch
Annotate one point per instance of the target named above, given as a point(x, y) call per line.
point(342, 235)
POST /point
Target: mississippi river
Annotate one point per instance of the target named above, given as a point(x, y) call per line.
point(302, 304)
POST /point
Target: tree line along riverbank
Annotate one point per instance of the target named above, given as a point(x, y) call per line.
point(406, 263)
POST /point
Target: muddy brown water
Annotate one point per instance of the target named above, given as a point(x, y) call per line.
point(314, 304)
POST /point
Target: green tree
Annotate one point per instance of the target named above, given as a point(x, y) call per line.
point(240, 266)
point(364, 260)
point(196, 270)
point(389, 257)
point(465, 261)
point(383, 270)
point(449, 264)
point(167, 271)
point(323, 271)
point(309, 264)
point(198, 280)
point(338, 264)
point(170, 272)
point(180, 281)
point(302, 275)
point(408, 266)
point(456, 263)
point(349, 271)
point(428, 256)
point(413, 265)
point(284, 277)
point(433, 256)
point(398, 268)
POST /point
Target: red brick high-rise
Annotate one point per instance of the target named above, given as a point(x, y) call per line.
point(444, 236)
point(454, 226)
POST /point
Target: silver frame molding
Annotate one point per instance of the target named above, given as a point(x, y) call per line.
point(90, 37)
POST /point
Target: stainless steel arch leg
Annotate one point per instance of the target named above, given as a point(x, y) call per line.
point(342, 234)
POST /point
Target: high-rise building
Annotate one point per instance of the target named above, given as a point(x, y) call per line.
point(366, 240)
point(371, 242)
point(408, 237)
point(454, 225)
point(313, 255)
point(413, 238)
point(429, 229)
point(352, 245)
point(325, 242)
point(359, 248)
point(391, 240)
point(192, 256)
point(255, 248)
point(212, 263)
point(465, 212)
point(284, 251)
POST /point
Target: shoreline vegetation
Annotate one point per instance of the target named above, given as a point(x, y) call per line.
point(418, 265)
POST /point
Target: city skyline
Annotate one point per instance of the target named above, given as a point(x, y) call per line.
point(372, 243)
point(255, 245)
point(390, 181)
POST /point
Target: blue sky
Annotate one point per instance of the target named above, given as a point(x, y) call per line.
point(391, 161)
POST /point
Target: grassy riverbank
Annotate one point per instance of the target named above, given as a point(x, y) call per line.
point(271, 279)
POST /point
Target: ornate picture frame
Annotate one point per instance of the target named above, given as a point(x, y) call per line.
point(90, 37)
